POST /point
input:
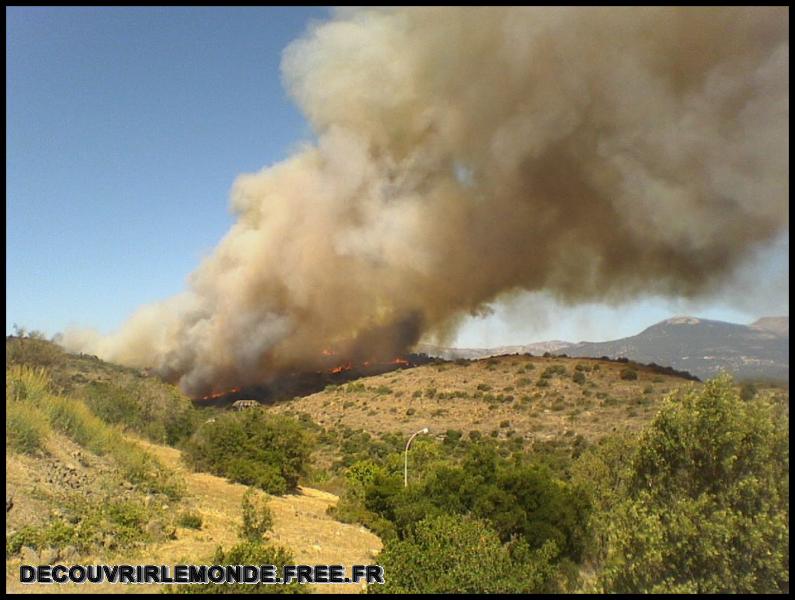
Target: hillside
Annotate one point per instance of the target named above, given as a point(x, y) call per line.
point(112, 465)
point(301, 522)
point(82, 490)
point(705, 347)
point(532, 398)
point(700, 346)
point(776, 325)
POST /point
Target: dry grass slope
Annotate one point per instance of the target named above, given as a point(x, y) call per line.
point(300, 523)
point(482, 395)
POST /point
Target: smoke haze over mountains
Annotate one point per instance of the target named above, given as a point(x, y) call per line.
point(594, 154)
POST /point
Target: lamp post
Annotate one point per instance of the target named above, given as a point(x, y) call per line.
point(406, 457)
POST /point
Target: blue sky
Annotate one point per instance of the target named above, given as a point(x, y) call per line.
point(125, 130)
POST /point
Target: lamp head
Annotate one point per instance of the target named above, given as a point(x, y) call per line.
point(424, 430)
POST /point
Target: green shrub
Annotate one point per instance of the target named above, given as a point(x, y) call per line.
point(86, 526)
point(190, 520)
point(247, 553)
point(453, 436)
point(553, 370)
point(458, 554)
point(253, 447)
point(629, 374)
point(257, 517)
point(26, 429)
point(748, 391)
point(578, 377)
point(703, 504)
point(156, 410)
point(33, 352)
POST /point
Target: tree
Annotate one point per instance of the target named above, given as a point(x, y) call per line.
point(252, 447)
point(706, 507)
point(450, 553)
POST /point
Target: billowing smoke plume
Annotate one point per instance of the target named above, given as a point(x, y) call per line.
point(595, 153)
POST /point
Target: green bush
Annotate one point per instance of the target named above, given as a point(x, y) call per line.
point(629, 374)
point(553, 370)
point(26, 429)
point(257, 517)
point(87, 527)
point(267, 451)
point(453, 436)
point(156, 410)
point(748, 391)
point(703, 504)
point(190, 520)
point(458, 554)
point(516, 499)
point(578, 377)
point(247, 553)
point(33, 352)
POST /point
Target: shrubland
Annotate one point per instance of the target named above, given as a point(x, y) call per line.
point(252, 447)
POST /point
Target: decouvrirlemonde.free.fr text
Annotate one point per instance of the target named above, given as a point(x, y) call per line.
point(200, 574)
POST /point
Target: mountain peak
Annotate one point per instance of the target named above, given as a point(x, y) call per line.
point(777, 325)
point(681, 320)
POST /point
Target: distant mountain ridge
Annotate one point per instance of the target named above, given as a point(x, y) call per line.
point(702, 347)
point(475, 353)
point(778, 325)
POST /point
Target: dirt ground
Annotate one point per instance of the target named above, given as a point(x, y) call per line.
point(300, 523)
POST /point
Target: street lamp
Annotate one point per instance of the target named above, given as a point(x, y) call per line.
point(406, 457)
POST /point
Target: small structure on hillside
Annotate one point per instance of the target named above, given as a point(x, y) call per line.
point(244, 404)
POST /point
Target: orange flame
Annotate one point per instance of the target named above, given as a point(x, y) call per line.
point(369, 363)
point(222, 393)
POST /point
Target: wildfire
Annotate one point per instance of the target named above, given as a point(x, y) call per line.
point(347, 366)
point(219, 394)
